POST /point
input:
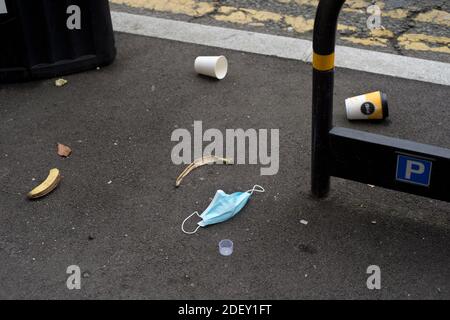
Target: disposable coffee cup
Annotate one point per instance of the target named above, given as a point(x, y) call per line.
point(212, 66)
point(369, 106)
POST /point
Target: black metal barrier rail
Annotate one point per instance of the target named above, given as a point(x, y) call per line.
point(360, 156)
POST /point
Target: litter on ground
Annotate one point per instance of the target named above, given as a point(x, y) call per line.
point(63, 150)
point(47, 186)
point(198, 163)
point(60, 82)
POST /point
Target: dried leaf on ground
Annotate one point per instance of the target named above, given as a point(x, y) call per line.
point(63, 150)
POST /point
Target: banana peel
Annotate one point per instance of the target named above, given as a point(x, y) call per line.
point(199, 163)
point(47, 186)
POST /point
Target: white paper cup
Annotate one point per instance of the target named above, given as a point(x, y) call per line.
point(369, 106)
point(212, 66)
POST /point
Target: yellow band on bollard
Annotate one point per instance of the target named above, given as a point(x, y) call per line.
point(323, 62)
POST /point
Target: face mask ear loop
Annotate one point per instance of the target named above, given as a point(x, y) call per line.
point(256, 188)
point(184, 221)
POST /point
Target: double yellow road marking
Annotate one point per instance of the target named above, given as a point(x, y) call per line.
point(300, 24)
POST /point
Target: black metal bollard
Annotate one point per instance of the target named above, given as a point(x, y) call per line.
point(324, 40)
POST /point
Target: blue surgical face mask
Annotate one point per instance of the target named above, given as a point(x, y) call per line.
point(222, 207)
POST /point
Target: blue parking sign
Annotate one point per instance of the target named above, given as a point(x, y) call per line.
point(413, 170)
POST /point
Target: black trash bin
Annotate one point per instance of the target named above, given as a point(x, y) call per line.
point(49, 38)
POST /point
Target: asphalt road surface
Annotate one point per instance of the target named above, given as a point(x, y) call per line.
point(117, 215)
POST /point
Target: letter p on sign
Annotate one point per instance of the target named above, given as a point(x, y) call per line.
point(414, 170)
point(414, 167)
